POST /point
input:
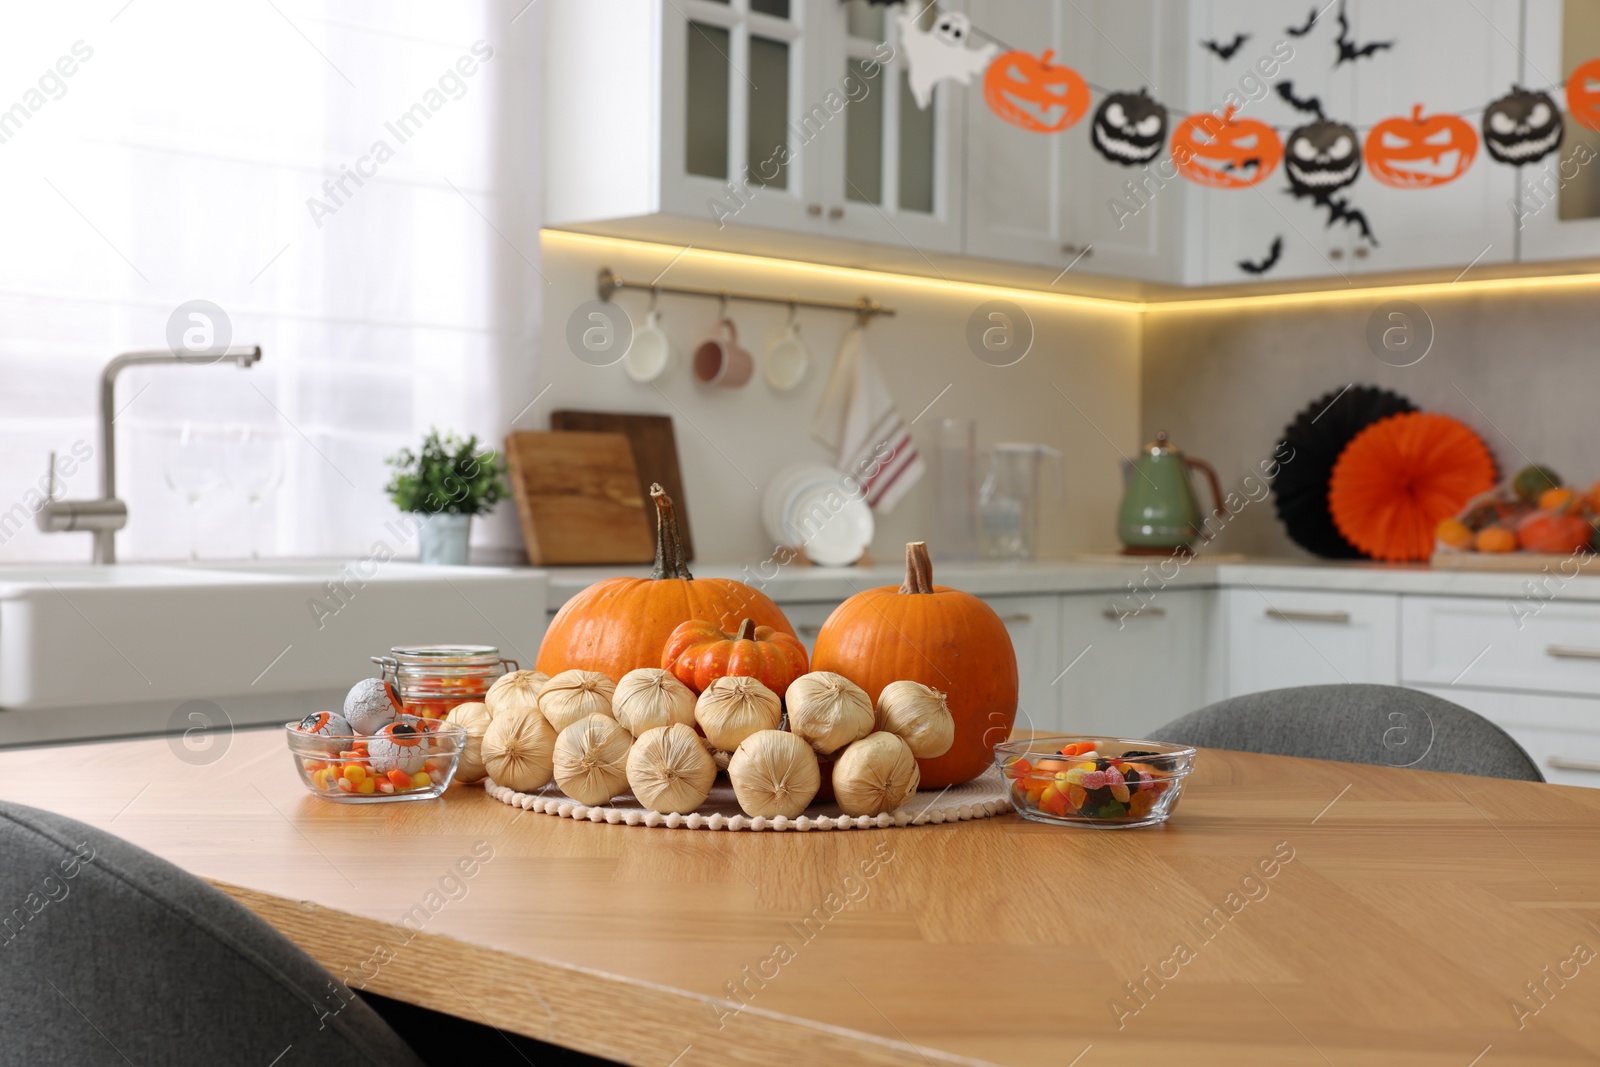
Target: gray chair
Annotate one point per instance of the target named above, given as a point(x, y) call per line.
point(109, 955)
point(1378, 724)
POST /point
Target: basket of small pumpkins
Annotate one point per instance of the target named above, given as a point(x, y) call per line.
point(682, 701)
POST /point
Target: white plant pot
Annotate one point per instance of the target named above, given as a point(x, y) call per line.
point(444, 538)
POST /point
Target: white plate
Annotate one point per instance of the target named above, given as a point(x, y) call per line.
point(837, 532)
point(780, 491)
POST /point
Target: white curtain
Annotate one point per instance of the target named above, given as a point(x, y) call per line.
point(353, 183)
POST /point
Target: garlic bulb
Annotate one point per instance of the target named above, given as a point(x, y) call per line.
point(517, 689)
point(918, 715)
point(734, 707)
point(874, 775)
point(475, 719)
point(650, 697)
point(669, 769)
point(774, 773)
point(591, 759)
point(574, 695)
point(517, 749)
point(828, 710)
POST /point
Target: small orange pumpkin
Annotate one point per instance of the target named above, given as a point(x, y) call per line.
point(1397, 144)
point(940, 637)
point(618, 624)
point(1545, 531)
point(1226, 152)
point(1583, 94)
point(1028, 90)
point(700, 652)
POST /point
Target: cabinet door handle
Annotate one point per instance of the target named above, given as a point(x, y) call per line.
point(836, 212)
point(1117, 616)
point(1340, 617)
point(1561, 763)
point(1016, 620)
point(813, 209)
point(1571, 652)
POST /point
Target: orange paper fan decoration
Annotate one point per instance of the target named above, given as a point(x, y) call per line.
point(1397, 478)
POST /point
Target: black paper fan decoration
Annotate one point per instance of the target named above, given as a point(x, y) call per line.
point(1317, 436)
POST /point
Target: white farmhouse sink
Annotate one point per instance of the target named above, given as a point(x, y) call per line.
point(100, 651)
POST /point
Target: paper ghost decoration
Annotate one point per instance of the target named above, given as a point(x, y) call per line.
point(940, 53)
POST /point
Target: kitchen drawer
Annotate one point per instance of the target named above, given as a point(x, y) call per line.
point(1279, 638)
point(1561, 733)
point(1478, 643)
point(1130, 674)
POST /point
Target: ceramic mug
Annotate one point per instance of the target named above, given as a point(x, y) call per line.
point(787, 360)
point(720, 361)
point(650, 351)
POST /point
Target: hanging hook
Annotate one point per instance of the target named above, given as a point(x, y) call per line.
point(655, 295)
point(794, 310)
point(722, 305)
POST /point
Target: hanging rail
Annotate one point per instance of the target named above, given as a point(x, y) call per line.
point(864, 307)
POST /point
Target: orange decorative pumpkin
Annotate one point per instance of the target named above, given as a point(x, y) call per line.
point(1396, 149)
point(1034, 93)
point(1546, 531)
point(1226, 152)
point(618, 624)
point(940, 637)
point(1583, 94)
point(699, 652)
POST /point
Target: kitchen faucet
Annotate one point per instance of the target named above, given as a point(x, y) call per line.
point(106, 515)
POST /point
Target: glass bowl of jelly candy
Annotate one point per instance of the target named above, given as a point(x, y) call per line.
point(1104, 782)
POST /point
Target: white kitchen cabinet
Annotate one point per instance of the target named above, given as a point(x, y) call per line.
point(1124, 675)
point(1529, 645)
point(1558, 199)
point(1279, 638)
point(1034, 623)
point(807, 619)
point(1051, 199)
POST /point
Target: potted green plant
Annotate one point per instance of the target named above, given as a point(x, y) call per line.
point(444, 484)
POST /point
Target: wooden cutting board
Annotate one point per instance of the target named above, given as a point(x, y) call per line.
point(655, 453)
point(1515, 562)
point(578, 497)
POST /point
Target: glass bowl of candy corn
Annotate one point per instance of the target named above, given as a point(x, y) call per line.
point(409, 758)
point(1104, 782)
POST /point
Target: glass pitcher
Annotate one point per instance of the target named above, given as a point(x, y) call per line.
point(955, 506)
point(1008, 499)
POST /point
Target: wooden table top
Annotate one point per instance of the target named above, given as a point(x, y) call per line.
point(1292, 912)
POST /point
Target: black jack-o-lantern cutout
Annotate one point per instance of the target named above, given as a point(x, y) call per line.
point(1129, 128)
point(1322, 157)
point(1522, 127)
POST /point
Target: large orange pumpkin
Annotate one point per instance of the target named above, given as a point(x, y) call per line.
point(1034, 93)
point(1583, 99)
point(619, 624)
point(940, 637)
point(1226, 152)
point(1397, 149)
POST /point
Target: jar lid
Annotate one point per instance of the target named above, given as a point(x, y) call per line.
point(444, 655)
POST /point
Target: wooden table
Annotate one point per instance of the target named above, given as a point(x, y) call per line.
point(1293, 912)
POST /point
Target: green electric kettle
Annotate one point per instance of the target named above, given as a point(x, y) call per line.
point(1159, 513)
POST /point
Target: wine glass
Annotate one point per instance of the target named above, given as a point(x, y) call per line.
point(193, 468)
point(254, 466)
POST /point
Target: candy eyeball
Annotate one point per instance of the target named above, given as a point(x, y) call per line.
point(371, 704)
point(399, 746)
point(325, 724)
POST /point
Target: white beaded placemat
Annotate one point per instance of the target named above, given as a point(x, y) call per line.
point(980, 798)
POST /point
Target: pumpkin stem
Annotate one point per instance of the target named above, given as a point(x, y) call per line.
point(746, 631)
point(669, 539)
point(919, 569)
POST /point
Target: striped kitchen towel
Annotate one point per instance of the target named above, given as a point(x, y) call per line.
point(859, 421)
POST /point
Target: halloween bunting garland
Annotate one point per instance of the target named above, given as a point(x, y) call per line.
point(1129, 128)
point(1522, 127)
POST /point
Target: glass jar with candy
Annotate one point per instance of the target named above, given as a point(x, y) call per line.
point(433, 679)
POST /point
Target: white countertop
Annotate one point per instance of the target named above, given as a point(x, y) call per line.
point(1111, 575)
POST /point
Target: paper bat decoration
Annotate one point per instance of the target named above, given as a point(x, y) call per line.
point(1349, 51)
point(940, 53)
point(1309, 105)
point(1339, 210)
point(1274, 254)
point(1226, 51)
point(1301, 31)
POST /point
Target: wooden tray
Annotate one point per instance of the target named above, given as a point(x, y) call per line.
point(1513, 562)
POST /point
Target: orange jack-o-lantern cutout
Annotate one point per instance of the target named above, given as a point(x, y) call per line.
point(1420, 152)
point(1583, 95)
point(1225, 153)
point(1034, 93)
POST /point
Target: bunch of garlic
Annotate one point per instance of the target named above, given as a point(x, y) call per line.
point(648, 698)
point(734, 707)
point(518, 689)
point(572, 696)
point(828, 710)
point(919, 716)
point(774, 773)
point(591, 759)
point(669, 769)
point(475, 719)
point(875, 774)
point(518, 748)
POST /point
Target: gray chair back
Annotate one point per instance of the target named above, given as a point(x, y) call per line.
point(109, 955)
point(1378, 724)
